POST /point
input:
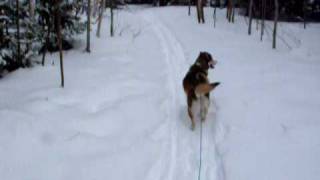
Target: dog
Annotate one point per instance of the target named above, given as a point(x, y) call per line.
point(196, 85)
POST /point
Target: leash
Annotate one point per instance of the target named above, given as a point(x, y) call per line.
point(200, 158)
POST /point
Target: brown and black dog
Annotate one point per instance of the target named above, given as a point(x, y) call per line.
point(197, 86)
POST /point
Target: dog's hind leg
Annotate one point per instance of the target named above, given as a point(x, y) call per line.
point(193, 124)
point(204, 106)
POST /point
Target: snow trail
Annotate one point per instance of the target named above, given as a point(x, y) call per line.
point(185, 143)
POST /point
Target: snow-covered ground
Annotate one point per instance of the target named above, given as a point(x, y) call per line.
point(122, 113)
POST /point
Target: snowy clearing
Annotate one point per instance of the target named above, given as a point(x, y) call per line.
point(123, 115)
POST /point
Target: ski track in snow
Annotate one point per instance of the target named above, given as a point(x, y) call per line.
point(184, 157)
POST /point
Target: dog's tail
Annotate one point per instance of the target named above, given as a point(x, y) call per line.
point(205, 88)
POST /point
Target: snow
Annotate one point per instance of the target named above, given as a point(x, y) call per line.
point(122, 113)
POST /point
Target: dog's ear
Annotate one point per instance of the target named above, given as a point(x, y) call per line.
point(202, 54)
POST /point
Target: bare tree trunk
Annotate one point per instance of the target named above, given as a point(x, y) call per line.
point(276, 15)
point(111, 21)
point(214, 15)
point(100, 17)
point(155, 2)
point(189, 7)
point(200, 11)
point(233, 11)
point(229, 10)
point(250, 16)
point(31, 8)
point(46, 45)
point(18, 32)
point(95, 7)
point(88, 25)
point(230, 7)
point(263, 17)
point(304, 13)
point(58, 28)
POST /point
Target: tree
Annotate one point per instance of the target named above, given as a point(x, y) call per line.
point(200, 13)
point(31, 8)
point(230, 10)
point(276, 16)
point(101, 9)
point(304, 13)
point(263, 17)
point(111, 19)
point(47, 32)
point(16, 34)
point(250, 16)
point(88, 25)
point(18, 31)
point(233, 11)
point(189, 7)
point(58, 18)
point(215, 14)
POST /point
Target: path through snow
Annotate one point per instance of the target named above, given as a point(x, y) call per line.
point(185, 143)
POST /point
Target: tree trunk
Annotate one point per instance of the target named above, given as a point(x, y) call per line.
point(214, 16)
point(304, 14)
point(189, 7)
point(200, 12)
point(31, 8)
point(233, 12)
point(111, 21)
point(18, 33)
point(276, 15)
point(88, 25)
point(263, 17)
point(58, 16)
point(95, 7)
point(250, 16)
point(230, 7)
point(101, 9)
point(162, 2)
point(155, 2)
point(46, 45)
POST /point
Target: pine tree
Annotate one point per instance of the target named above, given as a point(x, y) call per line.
point(16, 35)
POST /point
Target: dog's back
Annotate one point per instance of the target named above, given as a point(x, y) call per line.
point(193, 78)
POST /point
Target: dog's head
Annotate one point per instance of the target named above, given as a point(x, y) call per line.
point(206, 61)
